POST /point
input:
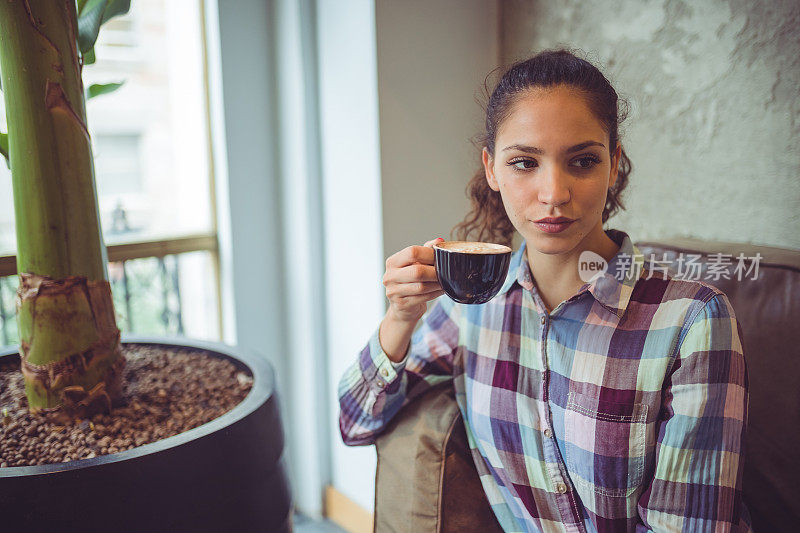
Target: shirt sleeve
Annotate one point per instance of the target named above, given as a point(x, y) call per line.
point(373, 389)
point(699, 455)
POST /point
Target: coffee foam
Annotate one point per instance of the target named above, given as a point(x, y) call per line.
point(467, 247)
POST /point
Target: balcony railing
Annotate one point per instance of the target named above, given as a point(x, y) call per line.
point(145, 284)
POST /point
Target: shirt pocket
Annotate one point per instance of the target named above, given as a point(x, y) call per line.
point(605, 444)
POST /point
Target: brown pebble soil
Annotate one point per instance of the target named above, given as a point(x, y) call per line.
point(166, 391)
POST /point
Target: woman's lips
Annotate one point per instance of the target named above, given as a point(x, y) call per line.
point(553, 228)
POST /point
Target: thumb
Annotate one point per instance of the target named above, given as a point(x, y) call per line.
point(434, 241)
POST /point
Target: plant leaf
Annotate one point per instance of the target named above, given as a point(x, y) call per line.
point(4, 147)
point(89, 19)
point(114, 8)
point(96, 89)
point(92, 14)
point(88, 57)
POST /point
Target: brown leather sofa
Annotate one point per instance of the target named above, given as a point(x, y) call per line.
point(426, 480)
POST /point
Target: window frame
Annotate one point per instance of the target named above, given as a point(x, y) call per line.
point(197, 242)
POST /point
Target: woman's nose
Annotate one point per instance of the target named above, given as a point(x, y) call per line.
point(554, 187)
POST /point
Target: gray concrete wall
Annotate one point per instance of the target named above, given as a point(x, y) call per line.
point(433, 56)
point(714, 127)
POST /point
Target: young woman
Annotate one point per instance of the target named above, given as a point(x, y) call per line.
point(617, 404)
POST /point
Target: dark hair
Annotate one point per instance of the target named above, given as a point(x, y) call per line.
point(546, 69)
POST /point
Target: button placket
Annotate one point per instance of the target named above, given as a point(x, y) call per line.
point(555, 471)
point(554, 464)
point(560, 486)
point(549, 443)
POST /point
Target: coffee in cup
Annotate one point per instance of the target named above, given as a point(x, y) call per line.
point(471, 272)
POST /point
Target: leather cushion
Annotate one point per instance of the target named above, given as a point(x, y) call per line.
point(426, 479)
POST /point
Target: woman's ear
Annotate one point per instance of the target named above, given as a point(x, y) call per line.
point(488, 166)
point(615, 166)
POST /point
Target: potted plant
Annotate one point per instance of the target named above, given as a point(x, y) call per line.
point(227, 472)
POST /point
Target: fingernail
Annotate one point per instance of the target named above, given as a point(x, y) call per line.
point(439, 239)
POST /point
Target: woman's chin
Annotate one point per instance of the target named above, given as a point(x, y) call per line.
point(546, 244)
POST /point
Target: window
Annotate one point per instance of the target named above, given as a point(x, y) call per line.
point(153, 173)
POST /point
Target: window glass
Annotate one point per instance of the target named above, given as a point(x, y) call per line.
point(150, 137)
point(152, 169)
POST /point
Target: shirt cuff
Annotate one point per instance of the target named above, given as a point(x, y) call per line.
point(385, 371)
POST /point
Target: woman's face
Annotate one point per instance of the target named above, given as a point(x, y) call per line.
point(552, 160)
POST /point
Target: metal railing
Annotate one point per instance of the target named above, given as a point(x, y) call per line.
point(144, 278)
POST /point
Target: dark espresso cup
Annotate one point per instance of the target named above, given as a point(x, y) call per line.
point(471, 272)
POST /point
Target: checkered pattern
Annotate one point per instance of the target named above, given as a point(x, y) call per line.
point(623, 409)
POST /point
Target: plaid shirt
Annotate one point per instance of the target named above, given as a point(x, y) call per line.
point(623, 409)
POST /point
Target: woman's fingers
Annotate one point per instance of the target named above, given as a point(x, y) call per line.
point(418, 273)
point(410, 276)
point(403, 290)
point(411, 281)
point(421, 298)
point(412, 254)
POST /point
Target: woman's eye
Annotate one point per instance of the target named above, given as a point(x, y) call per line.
point(586, 162)
point(522, 164)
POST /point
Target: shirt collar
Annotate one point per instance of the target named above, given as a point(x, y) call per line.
point(612, 289)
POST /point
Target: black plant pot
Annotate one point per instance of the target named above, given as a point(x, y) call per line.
point(229, 474)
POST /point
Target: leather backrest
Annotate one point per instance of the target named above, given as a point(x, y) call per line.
point(426, 479)
point(768, 309)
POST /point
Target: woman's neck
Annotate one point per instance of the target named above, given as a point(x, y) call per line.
point(556, 275)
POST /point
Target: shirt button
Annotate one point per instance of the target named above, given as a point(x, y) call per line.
point(384, 372)
point(548, 433)
point(544, 319)
point(561, 488)
point(380, 383)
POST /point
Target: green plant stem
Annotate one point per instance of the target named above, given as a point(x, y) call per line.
point(64, 342)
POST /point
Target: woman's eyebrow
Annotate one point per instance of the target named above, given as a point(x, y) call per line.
point(539, 151)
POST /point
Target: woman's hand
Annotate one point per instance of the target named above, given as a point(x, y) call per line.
point(410, 281)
